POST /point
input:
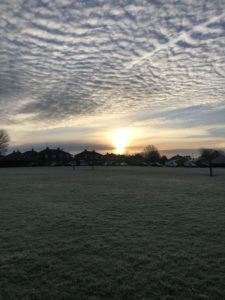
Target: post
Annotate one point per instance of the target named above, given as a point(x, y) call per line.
point(210, 170)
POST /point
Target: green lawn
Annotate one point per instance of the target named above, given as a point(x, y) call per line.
point(112, 233)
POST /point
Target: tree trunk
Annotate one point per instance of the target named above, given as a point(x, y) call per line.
point(210, 170)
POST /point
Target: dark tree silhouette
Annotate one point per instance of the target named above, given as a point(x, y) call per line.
point(209, 155)
point(4, 141)
point(151, 154)
point(163, 159)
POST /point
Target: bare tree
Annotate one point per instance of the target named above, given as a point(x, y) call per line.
point(209, 155)
point(4, 141)
point(151, 154)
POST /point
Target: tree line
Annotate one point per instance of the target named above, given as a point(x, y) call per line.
point(152, 154)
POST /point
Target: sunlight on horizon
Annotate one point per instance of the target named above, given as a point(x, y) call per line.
point(120, 139)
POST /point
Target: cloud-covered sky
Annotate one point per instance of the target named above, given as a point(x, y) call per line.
point(72, 72)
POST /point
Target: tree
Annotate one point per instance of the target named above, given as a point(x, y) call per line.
point(4, 141)
point(163, 159)
point(209, 155)
point(151, 154)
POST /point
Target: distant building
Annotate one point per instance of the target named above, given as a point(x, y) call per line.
point(32, 156)
point(89, 157)
point(15, 156)
point(190, 164)
point(110, 159)
point(219, 161)
point(180, 161)
point(58, 156)
point(201, 162)
point(14, 159)
point(171, 163)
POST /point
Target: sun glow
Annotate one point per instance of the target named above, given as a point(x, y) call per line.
point(120, 140)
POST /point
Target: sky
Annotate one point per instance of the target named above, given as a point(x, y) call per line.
point(90, 74)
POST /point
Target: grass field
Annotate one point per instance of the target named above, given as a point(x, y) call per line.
point(112, 233)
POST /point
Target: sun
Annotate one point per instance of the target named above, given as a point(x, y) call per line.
point(120, 140)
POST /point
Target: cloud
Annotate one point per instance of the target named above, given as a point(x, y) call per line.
point(210, 133)
point(180, 118)
point(194, 116)
point(62, 60)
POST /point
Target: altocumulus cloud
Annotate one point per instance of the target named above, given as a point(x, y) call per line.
point(62, 59)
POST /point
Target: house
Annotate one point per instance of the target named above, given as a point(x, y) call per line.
point(89, 157)
point(110, 159)
point(14, 159)
point(189, 163)
point(54, 156)
point(202, 162)
point(171, 163)
point(15, 156)
point(180, 161)
point(31, 156)
point(219, 161)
